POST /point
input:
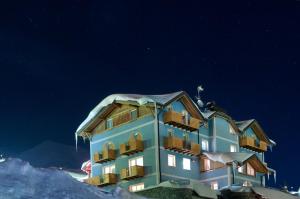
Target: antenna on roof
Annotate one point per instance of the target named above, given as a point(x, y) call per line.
point(199, 101)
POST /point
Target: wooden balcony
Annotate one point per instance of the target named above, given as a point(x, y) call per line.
point(181, 146)
point(250, 143)
point(106, 155)
point(178, 120)
point(132, 172)
point(133, 146)
point(106, 179)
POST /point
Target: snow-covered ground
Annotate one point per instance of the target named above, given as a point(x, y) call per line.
point(19, 180)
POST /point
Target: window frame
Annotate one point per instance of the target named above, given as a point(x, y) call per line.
point(206, 145)
point(110, 169)
point(173, 157)
point(184, 165)
point(232, 146)
point(130, 188)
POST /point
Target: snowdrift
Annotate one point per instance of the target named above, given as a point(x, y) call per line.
point(18, 179)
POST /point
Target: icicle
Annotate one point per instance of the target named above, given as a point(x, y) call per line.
point(275, 177)
point(76, 140)
point(268, 175)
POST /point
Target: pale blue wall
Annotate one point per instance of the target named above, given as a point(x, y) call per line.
point(119, 135)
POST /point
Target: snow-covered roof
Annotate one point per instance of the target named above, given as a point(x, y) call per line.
point(238, 158)
point(244, 124)
point(229, 157)
point(207, 114)
point(137, 98)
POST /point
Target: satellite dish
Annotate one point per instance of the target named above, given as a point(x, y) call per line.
point(199, 101)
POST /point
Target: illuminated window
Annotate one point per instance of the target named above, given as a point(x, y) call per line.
point(241, 169)
point(232, 148)
point(231, 130)
point(214, 185)
point(186, 164)
point(207, 165)
point(109, 169)
point(250, 170)
point(136, 187)
point(136, 161)
point(171, 160)
point(204, 145)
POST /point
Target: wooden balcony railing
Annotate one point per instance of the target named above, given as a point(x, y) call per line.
point(181, 146)
point(106, 155)
point(178, 120)
point(134, 145)
point(132, 172)
point(251, 143)
point(106, 179)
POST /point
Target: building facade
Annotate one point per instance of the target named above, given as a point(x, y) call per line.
point(139, 141)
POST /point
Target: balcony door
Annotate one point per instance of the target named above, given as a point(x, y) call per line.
point(138, 161)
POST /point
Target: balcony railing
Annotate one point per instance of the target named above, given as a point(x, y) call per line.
point(181, 146)
point(106, 179)
point(251, 143)
point(179, 120)
point(132, 172)
point(132, 146)
point(106, 155)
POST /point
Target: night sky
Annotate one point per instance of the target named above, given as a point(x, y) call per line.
point(59, 58)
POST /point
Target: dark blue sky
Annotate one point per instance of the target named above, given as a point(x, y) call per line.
point(59, 58)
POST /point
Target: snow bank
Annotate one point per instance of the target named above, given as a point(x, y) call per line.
point(18, 179)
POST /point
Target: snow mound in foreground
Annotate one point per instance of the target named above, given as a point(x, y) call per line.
point(18, 179)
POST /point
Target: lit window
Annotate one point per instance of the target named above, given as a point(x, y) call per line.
point(136, 187)
point(171, 160)
point(186, 164)
point(214, 186)
point(250, 170)
point(136, 161)
point(109, 123)
point(241, 169)
point(109, 169)
point(232, 148)
point(231, 130)
point(170, 132)
point(204, 145)
point(133, 114)
point(207, 165)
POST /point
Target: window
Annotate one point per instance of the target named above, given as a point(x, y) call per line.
point(109, 169)
point(185, 117)
point(214, 185)
point(204, 145)
point(109, 123)
point(133, 114)
point(171, 160)
point(241, 169)
point(250, 170)
point(231, 130)
point(170, 132)
point(169, 107)
point(136, 161)
point(186, 164)
point(136, 187)
point(232, 148)
point(207, 165)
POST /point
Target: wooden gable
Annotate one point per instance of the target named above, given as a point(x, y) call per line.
point(257, 165)
point(259, 132)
